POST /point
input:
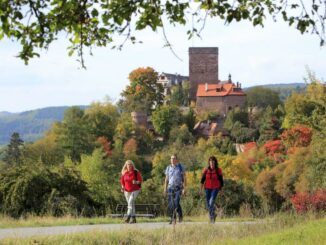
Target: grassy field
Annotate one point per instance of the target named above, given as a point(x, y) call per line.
point(281, 229)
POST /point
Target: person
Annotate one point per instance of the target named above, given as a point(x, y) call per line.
point(212, 181)
point(174, 187)
point(130, 180)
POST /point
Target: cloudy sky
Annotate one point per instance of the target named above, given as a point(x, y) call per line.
point(273, 54)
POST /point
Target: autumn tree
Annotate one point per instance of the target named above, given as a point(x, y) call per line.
point(143, 94)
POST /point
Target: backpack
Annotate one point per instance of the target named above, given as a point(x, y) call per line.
point(136, 177)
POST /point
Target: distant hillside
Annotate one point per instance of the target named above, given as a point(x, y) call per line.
point(284, 89)
point(30, 125)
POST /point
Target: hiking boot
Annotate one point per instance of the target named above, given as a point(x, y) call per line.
point(127, 220)
point(180, 219)
point(132, 220)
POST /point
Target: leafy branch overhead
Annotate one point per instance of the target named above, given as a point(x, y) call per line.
point(87, 23)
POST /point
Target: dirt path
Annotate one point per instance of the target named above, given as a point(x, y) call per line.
point(61, 230)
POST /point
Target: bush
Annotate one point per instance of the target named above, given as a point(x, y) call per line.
point(42, 191)
point(304, 202)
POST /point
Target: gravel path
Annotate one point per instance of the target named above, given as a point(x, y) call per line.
point(61, 230)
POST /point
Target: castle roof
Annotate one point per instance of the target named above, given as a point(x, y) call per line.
point(219, 90)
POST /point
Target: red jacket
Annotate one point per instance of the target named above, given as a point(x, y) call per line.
point(127, 178)
point(212, 178)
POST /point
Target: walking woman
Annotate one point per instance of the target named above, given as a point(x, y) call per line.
point(212, 181)
point(130, 184)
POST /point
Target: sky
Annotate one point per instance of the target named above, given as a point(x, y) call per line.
point(252, 55)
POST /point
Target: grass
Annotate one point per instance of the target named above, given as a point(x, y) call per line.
point(36, 221)
point(283, 229)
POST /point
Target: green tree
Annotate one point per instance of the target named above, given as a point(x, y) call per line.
point(269, 126)
point(13, 153)
point(143, 94)
point(236, 115)
point(165, 118)
point(262, 97)
point(73, 134)
point(36, 24)
point(102, 119)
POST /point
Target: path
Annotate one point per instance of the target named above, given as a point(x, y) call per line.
point(62, 230)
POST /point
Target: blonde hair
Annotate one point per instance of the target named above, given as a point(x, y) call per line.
point(124, 168)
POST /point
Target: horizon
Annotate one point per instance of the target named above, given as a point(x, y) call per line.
point(275, 54)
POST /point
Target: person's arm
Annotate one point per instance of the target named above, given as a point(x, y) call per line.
point(166, 181)
point(220, 178)
point(202, 181)
point(122, 182)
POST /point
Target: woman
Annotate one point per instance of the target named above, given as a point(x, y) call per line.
point(212, 181)
point(130, 184)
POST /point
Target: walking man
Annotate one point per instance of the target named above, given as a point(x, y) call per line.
point(174, 187)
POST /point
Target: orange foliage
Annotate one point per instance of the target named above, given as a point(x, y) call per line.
point(106, 145)
point(298, 136)
point(250, 145)
point(273, 146)
point(130, 147)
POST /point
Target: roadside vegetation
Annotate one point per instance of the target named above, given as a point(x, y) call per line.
point(279, 229)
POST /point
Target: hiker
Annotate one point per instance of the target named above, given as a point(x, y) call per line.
point(174, 187)
point(212, 181)
point(130, 184)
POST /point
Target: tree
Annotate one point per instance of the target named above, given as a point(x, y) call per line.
point(74, 134)
point(164, 118)
point(102, 119)
point(236, 115)
point(263, 97)
point(13, 154)
point(143, 94)
point(36, 24)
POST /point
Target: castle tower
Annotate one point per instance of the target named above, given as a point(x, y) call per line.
point(203, 67)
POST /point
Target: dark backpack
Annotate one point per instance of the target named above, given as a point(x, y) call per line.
point(136, 177)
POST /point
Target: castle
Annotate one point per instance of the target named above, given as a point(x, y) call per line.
point(206, 89)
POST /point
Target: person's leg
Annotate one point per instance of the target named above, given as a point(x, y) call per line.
point(132, 201)
point(170, 203)
point(212, 199)
point(127, 196)
point(177, 204)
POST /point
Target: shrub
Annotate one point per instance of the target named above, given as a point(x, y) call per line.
point(304, 202)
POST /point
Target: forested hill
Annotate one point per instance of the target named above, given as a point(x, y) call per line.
point(30, 125)
point(284, 89)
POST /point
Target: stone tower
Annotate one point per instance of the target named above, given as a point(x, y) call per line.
point(203, 67)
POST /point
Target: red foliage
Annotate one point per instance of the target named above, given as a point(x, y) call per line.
point(304, 202)
point(298, 136)
point(250, 145)
point(273, 146)
point(106, 145)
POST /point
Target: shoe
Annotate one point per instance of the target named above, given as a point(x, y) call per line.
point(127, 220)
point(132, 220)
point(180, 219)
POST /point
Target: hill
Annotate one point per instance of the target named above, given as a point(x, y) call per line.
point(284, 89)
point(30, 125)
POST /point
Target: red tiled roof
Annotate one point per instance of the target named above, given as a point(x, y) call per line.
point(225, 90)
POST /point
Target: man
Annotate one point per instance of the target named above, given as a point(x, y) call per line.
point(175, 186)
